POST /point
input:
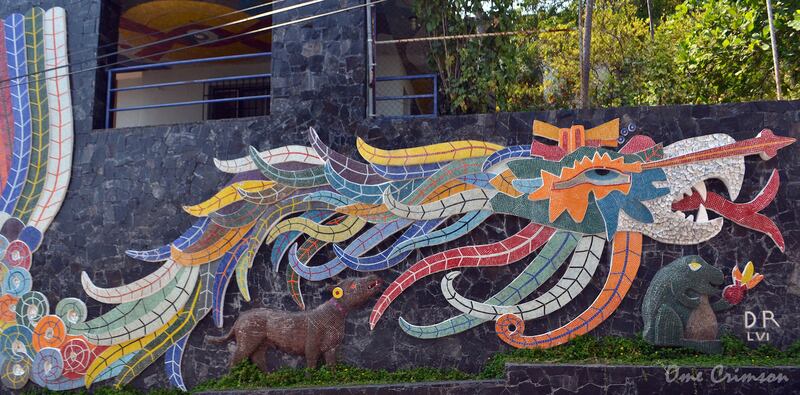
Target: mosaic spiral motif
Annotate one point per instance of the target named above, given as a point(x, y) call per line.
point(580, 195)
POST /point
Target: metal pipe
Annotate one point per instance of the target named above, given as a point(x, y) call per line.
point(471, 36)
point(587, 58)
point(406, 77)
point(774, 51)
point(189, 103)
point(189, 82)
point(404, 97)
point(370, 62)
point(435, 95)
point(191, 61)
point(650, 18)
point(109, 76)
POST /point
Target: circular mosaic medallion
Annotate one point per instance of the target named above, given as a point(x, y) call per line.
point(31, 307)
point(72, 311)
point(15, 343)
point(17, 282)
point(18, 254)
point(77, 357)
point(8, 308)
point(47, 365)
point(49, 332)
point(15, 374)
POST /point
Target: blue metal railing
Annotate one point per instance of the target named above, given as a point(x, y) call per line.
point(434, 95)
point(110, 109)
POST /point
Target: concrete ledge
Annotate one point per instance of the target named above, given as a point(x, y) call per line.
point(586, 379)
point(626, 379)
point(483, 387)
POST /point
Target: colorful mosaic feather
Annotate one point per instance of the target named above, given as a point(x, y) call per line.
point(441, 152)
point(554, 253)
point(20, 107)
point(307, 178)
point(59, 161)
point(6, 117)
point(287, 154)
point(39, 110)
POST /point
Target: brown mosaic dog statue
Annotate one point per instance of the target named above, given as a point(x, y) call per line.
point(311, 333)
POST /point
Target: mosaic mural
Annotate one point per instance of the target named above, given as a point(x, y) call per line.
point(589, 196)
point(36, 141)
point(578, 194)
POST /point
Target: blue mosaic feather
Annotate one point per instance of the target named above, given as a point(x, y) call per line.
point(384, 259)
point(361, 244)
point(332, 198)
point(514, 151)
point(480, 180)
point(223, 275)
point(284, 240)
point(162, 253)
point(464, 225)
point(20, 105)
point(408, 172)
point(369, 194)
point(172, 363)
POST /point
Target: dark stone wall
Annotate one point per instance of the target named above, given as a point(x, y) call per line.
point(128, 187)
point(319, 66)
point(129, 184)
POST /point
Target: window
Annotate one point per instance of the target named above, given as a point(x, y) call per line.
point(240, 89)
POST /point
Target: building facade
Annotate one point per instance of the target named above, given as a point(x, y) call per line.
point(129, 184)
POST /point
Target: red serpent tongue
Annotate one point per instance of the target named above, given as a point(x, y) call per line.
point(744, 214)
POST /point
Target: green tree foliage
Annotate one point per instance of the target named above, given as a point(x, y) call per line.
point(479, 75)
point(715, 51)
point(704, 51)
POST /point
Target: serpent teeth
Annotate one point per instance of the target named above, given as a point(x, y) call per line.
point(702, 214)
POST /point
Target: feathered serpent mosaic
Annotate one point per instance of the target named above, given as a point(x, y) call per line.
point(577, 194)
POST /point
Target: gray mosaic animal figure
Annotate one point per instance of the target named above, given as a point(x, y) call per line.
point(310, 333)
point(676, 308)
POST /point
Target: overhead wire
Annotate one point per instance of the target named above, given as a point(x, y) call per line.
point(155, 33)
point(471, 36)
point(168, 39)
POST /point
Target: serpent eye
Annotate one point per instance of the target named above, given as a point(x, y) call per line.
point(598, 176)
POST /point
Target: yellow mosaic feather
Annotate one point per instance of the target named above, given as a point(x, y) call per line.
point(442, 152)
point(328, 233)
point(226, 196)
